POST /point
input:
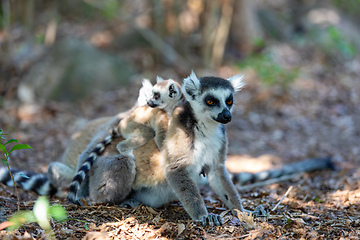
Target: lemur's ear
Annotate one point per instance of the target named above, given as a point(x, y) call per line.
point(191, 85)
point(145, 92)
point(159, 79)
point(237, 82)
point(172, 90)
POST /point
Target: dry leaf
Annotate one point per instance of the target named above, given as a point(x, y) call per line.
point(181, 228)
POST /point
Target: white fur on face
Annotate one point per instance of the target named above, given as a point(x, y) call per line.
point(207, 113)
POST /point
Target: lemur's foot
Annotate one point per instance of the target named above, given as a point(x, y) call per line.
point(211, 220)
point(130, 203)
point(73, 201)
point(259, 211)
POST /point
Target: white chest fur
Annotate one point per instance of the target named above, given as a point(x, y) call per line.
point(208, 143)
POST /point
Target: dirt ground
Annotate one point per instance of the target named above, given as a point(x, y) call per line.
point(317, 116)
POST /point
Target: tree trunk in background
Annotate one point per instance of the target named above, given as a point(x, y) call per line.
point(245, 27)
point(208, 23)
point(222, 32)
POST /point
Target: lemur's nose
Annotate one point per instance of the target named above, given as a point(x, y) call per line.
point(224, 117)
point(151, 104)
point(227, 116)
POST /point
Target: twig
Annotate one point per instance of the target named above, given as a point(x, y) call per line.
point(287, 192)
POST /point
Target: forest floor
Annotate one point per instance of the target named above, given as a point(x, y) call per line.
point(317, 115)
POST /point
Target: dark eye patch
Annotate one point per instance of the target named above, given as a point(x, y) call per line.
point(230, 100)
point(211, 101)
point(156, 95)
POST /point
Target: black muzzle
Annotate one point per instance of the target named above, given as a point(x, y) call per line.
point(224, 117)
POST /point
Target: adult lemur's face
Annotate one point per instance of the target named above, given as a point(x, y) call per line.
point(212, 98)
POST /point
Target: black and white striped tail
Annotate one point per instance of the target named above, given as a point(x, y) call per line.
point(86, 166)
point(308, 165)
point(28, 180)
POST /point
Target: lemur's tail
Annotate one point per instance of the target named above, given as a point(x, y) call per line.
point(308, 165)
point(86, 166)
point(37, 182)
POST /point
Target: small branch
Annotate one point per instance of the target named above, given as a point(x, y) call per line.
point(287, 192)
point(161, 46)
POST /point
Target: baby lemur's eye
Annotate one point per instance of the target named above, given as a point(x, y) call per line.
point(156, 96)
point(210, 102)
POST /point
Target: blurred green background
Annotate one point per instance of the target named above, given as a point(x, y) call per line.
point(66, 50)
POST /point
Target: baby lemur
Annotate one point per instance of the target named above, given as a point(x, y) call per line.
point(146, 123)
point(140, 126)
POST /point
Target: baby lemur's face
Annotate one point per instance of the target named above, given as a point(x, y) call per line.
point(164, 93)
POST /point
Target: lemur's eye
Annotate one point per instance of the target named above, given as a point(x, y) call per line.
point(210, 102)
point(156, 96)
point(229, 102)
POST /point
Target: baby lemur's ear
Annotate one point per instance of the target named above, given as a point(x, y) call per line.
point(173, 90)
point(237, 82)
point(159, 79)
point(145, 93)
point(191, 86)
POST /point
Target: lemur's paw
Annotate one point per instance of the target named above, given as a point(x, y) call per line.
point(71, 198)
point(259, 211)
point(73, 201)
point(211, 220)
point(130, 203)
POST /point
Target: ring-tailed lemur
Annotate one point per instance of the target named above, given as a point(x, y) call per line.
point(195, 120)
point(195, 144)
point(140, 126)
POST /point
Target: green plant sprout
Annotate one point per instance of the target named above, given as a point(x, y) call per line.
point(41, 214)
point(6, 154)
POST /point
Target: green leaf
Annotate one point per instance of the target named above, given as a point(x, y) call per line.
point(20, 146)
point(3, 149)
point(11, 141)
point(86, 227)
point(58, 213)
point(5, 162)
point(20, 218)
